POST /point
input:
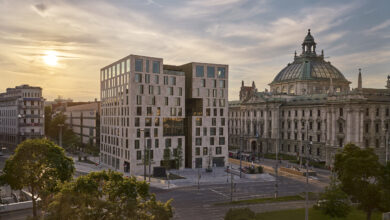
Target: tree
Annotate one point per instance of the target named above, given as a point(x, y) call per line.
point(107, 195)
point(359, 173)
point(167, 158)
point(39, 165)
point(385, 188)
point(179, 156)
point(334, 202)
point(48, 116)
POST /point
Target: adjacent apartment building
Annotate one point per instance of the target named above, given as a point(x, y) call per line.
point(21, 115)
point(163, 111)
point(84, 120)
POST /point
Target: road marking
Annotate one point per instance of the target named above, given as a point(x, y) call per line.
point(220, 193)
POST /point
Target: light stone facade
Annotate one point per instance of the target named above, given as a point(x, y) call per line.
point(84, 120)
point(21, 115)
point(149, 107)
point(321, 120)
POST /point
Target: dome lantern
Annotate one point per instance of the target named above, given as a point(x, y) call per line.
point(309, 45)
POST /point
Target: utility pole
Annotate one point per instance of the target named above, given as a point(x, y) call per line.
point(307, 175)
point(231, 187)
point(387, 134)
point(198, 178)
point(60, 135)
point(277, 161)
point(241, 140)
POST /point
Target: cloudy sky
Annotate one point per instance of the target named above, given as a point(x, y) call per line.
point(257, 38)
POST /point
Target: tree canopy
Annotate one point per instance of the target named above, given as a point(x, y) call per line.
point(39, 165)
point(360, 175)
point(107, 195)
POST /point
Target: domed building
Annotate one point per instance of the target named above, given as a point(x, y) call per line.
point(309, 73)
point(310, 111)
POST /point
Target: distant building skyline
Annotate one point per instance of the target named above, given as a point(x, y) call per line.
point(65, 42)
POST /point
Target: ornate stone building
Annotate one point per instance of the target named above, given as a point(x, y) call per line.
point(310, 104)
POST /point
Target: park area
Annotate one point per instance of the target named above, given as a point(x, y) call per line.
point(296, 214)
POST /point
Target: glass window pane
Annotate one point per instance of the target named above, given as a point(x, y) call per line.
point(138, 65)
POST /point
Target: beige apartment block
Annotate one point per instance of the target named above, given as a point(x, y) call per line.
point(21, 115)
point(147, 106)
point(84, 120)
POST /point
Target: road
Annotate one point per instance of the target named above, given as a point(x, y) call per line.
point(194, 204)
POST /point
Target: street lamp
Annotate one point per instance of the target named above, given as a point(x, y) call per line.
point(307, 179)
point(387, 134)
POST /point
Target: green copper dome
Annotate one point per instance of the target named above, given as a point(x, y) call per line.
point(309, 66)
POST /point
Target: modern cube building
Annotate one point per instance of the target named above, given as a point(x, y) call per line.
point(21, 115)
point(173, 112)
point(84, 120)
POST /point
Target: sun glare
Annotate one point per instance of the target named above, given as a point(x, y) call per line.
point(50, 58)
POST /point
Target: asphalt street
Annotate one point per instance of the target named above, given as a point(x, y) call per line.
point(193, 203)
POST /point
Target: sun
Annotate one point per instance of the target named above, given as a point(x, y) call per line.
point(50, 58)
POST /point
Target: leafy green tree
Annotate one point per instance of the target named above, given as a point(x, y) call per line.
point(385, 188)
point(179, 156)
point(359, 173)
point(167, 158)
point(54, 129)
point(107, 195)
point(38, 165)
point(334, 202)
point(48, 117)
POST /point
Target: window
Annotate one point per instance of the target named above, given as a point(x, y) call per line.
point(221, 72)
point(157, 122)
point(149, 111)
point(377, 112)
point(197, 151)
point(165, 80)
point(147, 66)
point(211, 141)
point(218, 150)
point(156, 143)
point(198, 141)
point(168, 142)
point(172, 80)
point(210, 72)
point(136, 144)
point(180, 91)
point(221, 83)
point(139, 111)
point(158, 113)
point(203, 83)
point(177, 101)
point(156, 79)
point(136, 122)
point(204, 131)
point(197, 132)
point(156, 66)
point(213, 131)
point(166, 100)
point(341, 111)
point(199, 71)
point(205, 150)
point(341, 127)
point(141, 89)
point(318, 113)
point(147, 78)
point(138, 65)
point(151, 90)
point(128, 65)
point(222, 141)
point(138, 78)
point(139, 100)
point(170, 91)
point(222, 121)
point(198, 121)
point(139, 155)
point(214, 122)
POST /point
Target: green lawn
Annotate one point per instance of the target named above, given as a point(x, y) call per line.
point(262, 200)
point(299, 214)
